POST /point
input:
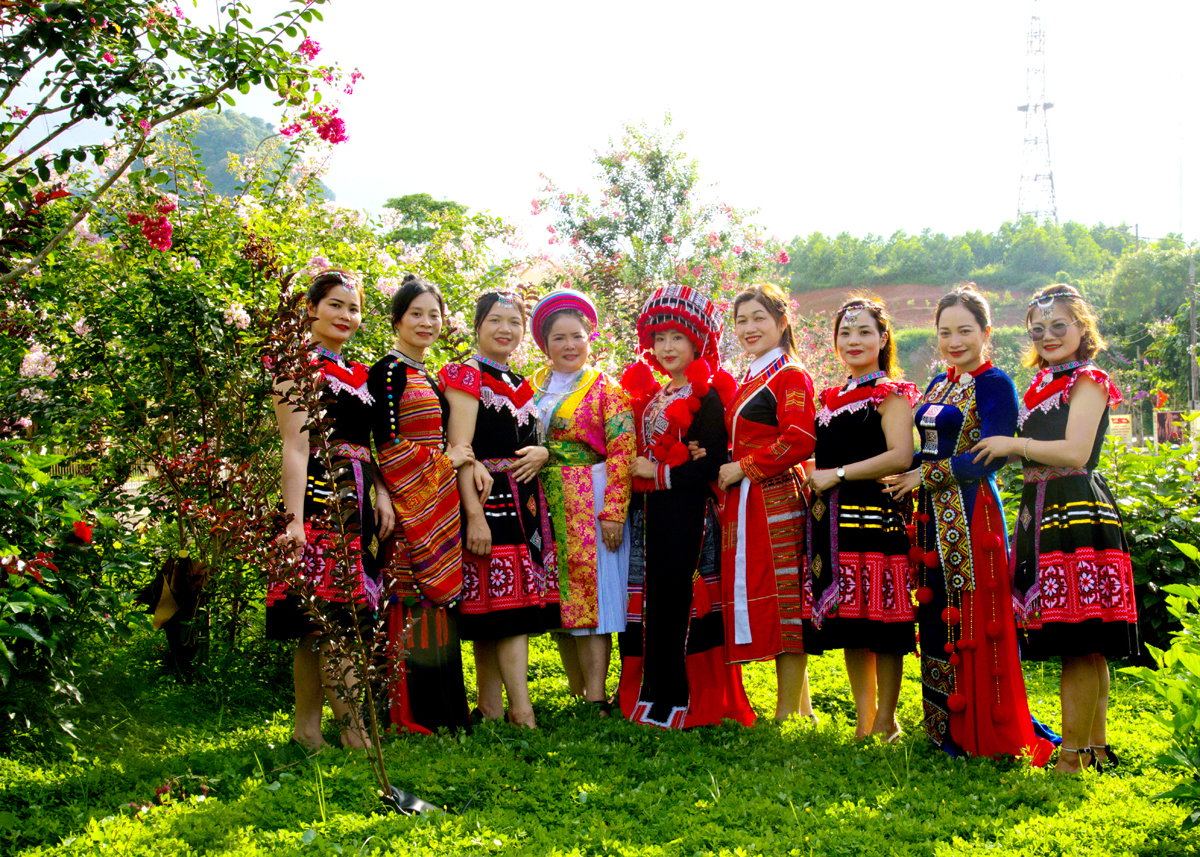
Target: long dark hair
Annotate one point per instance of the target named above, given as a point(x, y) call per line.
point(883, 323)
point(775, 301)
point(411, 287)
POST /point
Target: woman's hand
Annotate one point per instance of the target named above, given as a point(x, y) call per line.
point(294, 538)
point(483, 480)
point(899, 484)
point(613, 534)
point(460, 455)
point(696, 450)
point(821, 481)
point(533, 459)
point(479, 536)
point(643, 468)
point(385, 514)
point(731, 474)
point(997, 446)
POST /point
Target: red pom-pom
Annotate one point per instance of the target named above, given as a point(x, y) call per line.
point(916, 553)
point(923, 517)
point(972, 644)
point(725, 385)
point(669, 441)
point(954, 660)
point(660, 452)
point(698, 372)
point(932, 559)
point(911, 529)
point(993, 583)
point(678, 455)
point(638, 379)
point(956, 702)
point(950, 616)
point(994, 629)
point(1000, 713)
point(693, 403)
point(678, 412)
point(961, 644)
point(924, 595)
point(991, 541)
point(948, 648)
point(997, 672)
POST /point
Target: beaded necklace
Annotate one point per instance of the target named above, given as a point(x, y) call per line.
point(865, 379)
point(325, 352)
point(495, 364)
point(419, 365)
point(1047, 374)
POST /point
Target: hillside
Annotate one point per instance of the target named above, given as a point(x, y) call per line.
point(912, 305)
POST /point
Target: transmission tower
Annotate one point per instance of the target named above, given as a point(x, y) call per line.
point(1036, 194)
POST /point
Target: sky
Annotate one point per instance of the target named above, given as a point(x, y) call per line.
point(832, 116)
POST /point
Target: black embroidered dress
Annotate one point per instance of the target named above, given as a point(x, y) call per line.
point(348, 406)
point(1073, 580)
point(514, 590)
point(859, 568)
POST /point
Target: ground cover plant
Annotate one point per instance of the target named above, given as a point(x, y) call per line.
point(164, 767)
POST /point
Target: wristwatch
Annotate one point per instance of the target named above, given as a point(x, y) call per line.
point(841, 474)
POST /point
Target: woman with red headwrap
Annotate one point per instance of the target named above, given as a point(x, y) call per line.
point(673, 669)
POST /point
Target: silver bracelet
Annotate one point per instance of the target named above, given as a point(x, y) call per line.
point(1025, 449)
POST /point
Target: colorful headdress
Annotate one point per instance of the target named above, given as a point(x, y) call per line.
point(684, 309)
point(851, 310)
point(1046, 302)
point(560, 299)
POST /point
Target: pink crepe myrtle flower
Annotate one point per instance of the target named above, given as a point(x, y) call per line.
point(783, 258)
point(714, 240)
point(309, 49)
point(738, 250)
point(236, 316)
point(319, 263)
point(38, 364)
point(108, 58)
point(144, 124)
point(667, 239)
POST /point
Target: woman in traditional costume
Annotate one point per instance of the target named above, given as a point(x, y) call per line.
point(334, 304)
point(673, 669)
point(858, 550)
point(589, 432)
point(1073, 580)
point(770, 425)
point(974, 692)
point(409, 427)
point(510, 573)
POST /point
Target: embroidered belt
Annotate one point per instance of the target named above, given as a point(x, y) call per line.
point(500, 465)
point(1045, 472)
point(344, 449)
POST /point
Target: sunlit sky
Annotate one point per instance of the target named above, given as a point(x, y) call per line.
point(856, 116)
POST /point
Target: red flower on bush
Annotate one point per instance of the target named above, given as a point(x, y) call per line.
point(83, 532)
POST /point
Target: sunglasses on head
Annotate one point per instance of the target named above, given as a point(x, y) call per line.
point(1057, 330)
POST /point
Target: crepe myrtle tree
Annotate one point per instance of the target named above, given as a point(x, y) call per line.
point(131, 66)
point(652, 222)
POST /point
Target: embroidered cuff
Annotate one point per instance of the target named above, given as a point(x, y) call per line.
point(751, 469)
point(662, 477)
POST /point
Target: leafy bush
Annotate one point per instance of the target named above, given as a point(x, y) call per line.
point(1174, 681)
point(57, 596)
point(1155, 488)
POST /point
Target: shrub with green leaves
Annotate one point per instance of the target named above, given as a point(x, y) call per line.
point(1175, 682)
point(56, 593)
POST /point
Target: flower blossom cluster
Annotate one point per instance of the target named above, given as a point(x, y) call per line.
point(309, 49)
point(156, 229)
point(38, 364)
point(329, 126)
point(236, 316)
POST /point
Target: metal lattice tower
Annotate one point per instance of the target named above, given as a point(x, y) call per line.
point(1036, 194)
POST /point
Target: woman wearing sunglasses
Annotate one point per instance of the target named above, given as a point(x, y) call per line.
point(1072, 577)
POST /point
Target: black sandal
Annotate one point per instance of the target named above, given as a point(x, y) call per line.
point(603, 707)
point(1111, 760)
point(1094, 766)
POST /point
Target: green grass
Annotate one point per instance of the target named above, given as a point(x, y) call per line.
point(580, 785)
